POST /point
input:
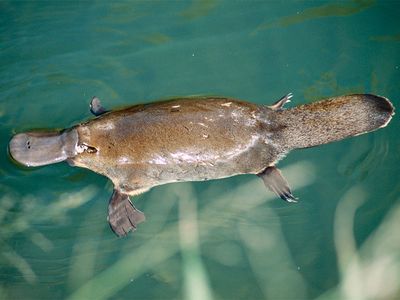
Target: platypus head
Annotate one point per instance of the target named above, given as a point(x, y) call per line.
point(33, 149)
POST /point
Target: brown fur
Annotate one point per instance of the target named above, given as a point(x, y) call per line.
point(208, 138)
point(194, 139)
point(332, 120)
point(180, 140)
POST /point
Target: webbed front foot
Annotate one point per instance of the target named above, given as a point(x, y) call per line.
point(122, 215)
point(96, 107)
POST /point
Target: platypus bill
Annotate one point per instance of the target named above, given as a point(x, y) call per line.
point(194, 139)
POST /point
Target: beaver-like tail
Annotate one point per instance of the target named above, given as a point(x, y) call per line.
point(38, 148)
point(332, 120)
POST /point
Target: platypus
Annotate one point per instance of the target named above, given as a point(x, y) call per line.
point(196, 139)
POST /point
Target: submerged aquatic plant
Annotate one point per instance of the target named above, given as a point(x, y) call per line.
point(174, 251)
point(19, 217)
point(221, 213)
point(373, 271)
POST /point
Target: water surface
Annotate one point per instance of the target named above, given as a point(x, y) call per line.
point(226, 239)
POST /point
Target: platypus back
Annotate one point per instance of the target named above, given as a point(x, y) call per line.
point(331, 120)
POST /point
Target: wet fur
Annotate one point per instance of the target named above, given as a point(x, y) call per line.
point(332, 120)
point(193, 139)
point(180, 140)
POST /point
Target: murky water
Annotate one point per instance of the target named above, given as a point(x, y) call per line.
point(226, 239)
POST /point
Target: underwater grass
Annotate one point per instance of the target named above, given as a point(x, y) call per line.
point(369, 271)
point(147, 256)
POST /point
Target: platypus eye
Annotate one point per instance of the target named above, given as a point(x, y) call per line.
point(85, 148)
point(91, 149)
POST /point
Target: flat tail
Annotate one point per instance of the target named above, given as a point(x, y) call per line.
point(36, 148)
point(333, 119)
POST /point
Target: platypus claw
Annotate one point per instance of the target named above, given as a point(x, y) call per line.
point(275, 182)
point(288, 197)
point(281, 102)
point(122, 215)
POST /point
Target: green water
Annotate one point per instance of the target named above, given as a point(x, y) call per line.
point(226, 239)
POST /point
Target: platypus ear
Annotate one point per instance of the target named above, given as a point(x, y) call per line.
point(281, 102)
point(96, 108)
point(122, 215)
point(275, 182)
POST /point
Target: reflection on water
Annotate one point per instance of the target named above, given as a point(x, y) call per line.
point(364, 159)
point(346, 8)
point(225, 239)
point(157, 38)
point(198, 8)
point(386, 38)
point(328, 84)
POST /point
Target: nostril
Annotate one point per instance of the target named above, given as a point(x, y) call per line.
point(28, 143)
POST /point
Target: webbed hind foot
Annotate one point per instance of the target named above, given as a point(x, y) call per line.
point(122, 215)
point(281, 102)
point(275, 182)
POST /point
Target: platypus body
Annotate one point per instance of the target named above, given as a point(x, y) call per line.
point(195, 139)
